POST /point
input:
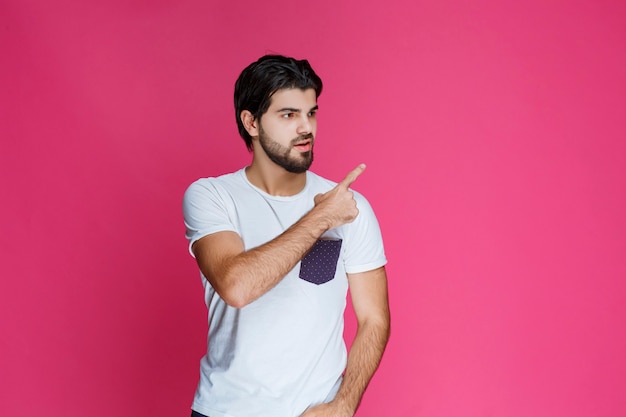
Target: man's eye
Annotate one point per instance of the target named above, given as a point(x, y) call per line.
point(287, 115)
point(312, 113)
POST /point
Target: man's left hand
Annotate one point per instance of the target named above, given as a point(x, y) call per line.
point(327, 410)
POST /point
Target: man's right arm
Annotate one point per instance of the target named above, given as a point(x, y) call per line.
point(241, 276)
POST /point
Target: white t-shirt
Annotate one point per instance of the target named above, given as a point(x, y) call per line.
point(285, 351)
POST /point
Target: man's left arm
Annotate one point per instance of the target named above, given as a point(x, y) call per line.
point(371, 306)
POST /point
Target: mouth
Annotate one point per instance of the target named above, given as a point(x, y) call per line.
point(304, 146)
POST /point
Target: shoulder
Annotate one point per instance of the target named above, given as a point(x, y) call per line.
point(215, 184)
point(213, 191)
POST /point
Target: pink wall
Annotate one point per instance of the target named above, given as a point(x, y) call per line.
point(495, 142)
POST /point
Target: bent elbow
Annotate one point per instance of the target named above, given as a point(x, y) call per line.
point(230, 284)
point(233, 294)
point(235, 301)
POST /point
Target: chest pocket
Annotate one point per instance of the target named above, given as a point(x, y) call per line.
point(320, 263)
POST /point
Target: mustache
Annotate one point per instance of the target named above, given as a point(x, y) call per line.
point(301, 138)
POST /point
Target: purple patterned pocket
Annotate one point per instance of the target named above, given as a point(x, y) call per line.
point(320, 263)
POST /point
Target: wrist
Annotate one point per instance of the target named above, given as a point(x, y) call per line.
point(343, 408)
point(319, 223)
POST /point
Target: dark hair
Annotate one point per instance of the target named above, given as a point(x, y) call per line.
point(261, 79)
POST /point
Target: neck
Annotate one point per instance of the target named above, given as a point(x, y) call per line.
point(274, 179)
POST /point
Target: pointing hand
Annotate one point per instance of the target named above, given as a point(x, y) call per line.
point(338, 206)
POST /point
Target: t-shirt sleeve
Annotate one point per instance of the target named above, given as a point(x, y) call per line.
point(364, 249)
point(205, 211)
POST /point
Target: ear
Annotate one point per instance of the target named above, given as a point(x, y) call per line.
point(250, 123)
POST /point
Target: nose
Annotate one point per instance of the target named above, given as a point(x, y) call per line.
point(305, 125)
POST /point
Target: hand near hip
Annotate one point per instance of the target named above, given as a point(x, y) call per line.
point(327, 410)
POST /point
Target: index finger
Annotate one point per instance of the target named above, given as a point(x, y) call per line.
point(352, 176)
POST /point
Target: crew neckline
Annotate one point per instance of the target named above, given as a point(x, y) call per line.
point(242, 173)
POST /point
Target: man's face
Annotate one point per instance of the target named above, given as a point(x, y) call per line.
point(287, 130)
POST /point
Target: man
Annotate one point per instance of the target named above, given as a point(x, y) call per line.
point(278, 247)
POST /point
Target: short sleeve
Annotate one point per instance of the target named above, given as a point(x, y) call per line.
point(364, 249)
point(205, 210)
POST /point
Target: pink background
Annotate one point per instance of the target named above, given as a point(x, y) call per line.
point(495, 141)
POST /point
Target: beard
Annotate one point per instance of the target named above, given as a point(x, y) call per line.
point(281, 155)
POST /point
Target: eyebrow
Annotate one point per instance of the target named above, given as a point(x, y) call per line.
point(294, 110)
